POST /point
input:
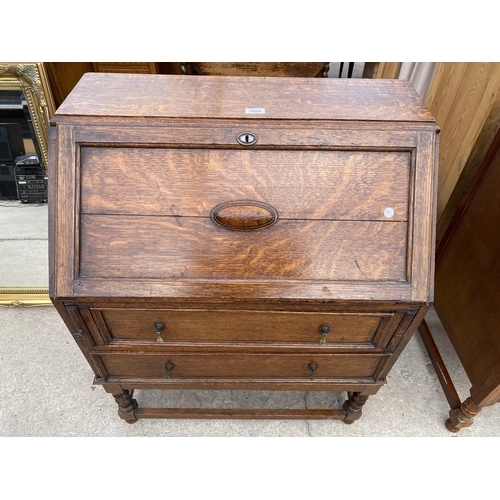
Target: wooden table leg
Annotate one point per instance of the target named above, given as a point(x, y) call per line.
point(126, 406)
point(353, 407)
point(437, 361)
point(462, 416)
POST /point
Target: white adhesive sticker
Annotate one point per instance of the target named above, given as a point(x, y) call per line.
point(389, 212)
point(255, 111)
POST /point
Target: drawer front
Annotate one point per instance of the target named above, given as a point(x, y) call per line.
point(248, 366)
point(328, 329)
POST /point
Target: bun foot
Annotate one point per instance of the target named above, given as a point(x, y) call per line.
point(450, 426)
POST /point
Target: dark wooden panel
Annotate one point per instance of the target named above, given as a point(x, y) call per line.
point(273, 69)
point(187, 247)
point(247, 326)
point(352, 185)
point(241, 365)
point(100, 94)
point(468, 277)
point(126, 67)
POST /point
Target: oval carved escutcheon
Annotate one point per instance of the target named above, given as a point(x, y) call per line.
point(245, 215)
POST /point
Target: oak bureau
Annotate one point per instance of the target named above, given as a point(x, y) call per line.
point(241, 233)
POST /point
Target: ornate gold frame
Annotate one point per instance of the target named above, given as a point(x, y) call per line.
point(32, 79)
point(24, 297)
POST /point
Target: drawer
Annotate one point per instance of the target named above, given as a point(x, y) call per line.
point(235, 366)
point(368, 330)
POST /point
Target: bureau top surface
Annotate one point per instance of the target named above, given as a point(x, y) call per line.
point(171, 96)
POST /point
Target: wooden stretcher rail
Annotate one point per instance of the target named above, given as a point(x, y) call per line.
point(241, 413)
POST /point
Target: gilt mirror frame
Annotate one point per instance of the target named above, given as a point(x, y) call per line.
point(32, 79)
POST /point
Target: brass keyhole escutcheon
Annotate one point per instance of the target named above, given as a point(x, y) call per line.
point(246, 138)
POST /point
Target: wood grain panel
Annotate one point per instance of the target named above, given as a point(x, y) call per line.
point(248, 326)
point(241, 365)
point(444, 90)
point(461, 99)
point(187, 247)
point(222, 97)
point(388, 70)
point(464, 122)
point(63, 76)
point(481, 149)
point(223, 291)
point(63, 218)
point(162, 133)
point(420, 266)
point(352, 185)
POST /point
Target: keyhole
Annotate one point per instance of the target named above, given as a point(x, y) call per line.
point(247, 138)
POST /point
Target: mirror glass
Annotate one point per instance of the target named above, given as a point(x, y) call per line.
point(24, 114)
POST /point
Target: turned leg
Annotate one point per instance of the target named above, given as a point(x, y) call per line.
point(126, 406)
point(353, 407)
point(462, 416)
